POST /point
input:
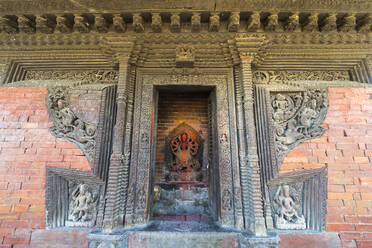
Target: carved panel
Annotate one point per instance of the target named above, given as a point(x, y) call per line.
point(286, 207)
point(72, 198)
point(87, 76)
point(297, 116)
point(269, 77)
point(67, 124)
point(298, 200)
point(83, 205)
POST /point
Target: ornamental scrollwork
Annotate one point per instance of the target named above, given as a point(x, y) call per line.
point(296, 117)
point(67, 125)
point(86, 76)
point(269, 77)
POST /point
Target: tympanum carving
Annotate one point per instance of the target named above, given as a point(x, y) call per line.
point(185, 56)
point(67, 125)
point(287, 208)
point(296, 117)
point(82, 207)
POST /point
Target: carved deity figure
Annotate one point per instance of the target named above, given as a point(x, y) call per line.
point(281, 106)
point(82, 204)
point(286, 213)
point(290, 135)
point(185, 148)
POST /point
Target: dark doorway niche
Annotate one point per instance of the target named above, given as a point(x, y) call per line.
point(183, 176)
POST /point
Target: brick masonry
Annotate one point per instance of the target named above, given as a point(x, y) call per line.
point(27, 147)
point(346, 148)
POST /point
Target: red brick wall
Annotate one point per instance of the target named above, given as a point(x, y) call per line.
point(26, 148)
point(173, 109)
point(346, 148)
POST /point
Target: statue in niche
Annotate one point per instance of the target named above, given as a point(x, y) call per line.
point(82, 209)
point(184, 164)
point(286, 215)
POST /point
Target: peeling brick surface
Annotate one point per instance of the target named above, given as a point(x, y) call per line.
point(346, 148)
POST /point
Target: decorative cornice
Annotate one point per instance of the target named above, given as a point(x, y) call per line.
point(156, 22)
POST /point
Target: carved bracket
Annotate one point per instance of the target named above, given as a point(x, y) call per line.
point(296, 117)
point(67, 125)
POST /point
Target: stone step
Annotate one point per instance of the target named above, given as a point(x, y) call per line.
point(147, 239)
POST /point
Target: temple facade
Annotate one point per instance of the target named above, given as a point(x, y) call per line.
point(186, 123)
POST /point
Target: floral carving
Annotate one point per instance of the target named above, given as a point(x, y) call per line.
point(267, 77)
point(83, 206)
point(86, 76)
point(67, 125)
point(296, 117)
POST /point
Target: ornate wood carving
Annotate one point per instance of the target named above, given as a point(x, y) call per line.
point(90, 76)
point(83, 206)
point(67, 125)
point(286, 207)
point(271, 77)
point(141, 148)
point(298, 200)
point(297, 116)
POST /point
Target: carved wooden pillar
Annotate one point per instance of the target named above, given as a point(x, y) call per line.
point(249, 167)
point(117, 183)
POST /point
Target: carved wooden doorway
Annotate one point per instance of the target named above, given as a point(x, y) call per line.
point(184, 154)
point(226, 204)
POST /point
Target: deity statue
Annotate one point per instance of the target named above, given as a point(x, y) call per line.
point(82, 204)
point(286, 213)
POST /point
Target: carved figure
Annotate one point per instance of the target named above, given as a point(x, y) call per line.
point(272, 22)
point(297, 117)
point(366, 26)
point(214, 22)
point(312, 23)
point(329, 23)
point(101, 24)
point(293, 23)
point(195, 22)
point(286, 213)
point(156, 22)
point(255, 22)
point(44, 25)
point(226, 200)
point(183, 163)
point(175, 23)
point(63, 24)
point(68, 125)
point(349, 23)
point(8, 25)
point(82, 205)
point(118, 23)
point(234, 22)
point(26, 25)
point(138, 23)
point(81, 24)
